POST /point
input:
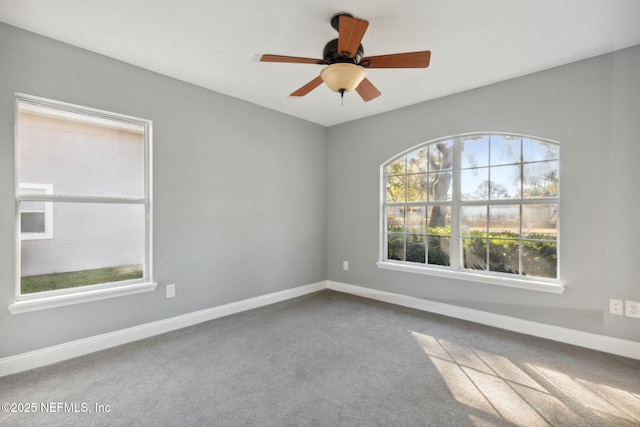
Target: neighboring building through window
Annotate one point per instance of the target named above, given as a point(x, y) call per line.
point(479, 203)
point(96, 170)
point(36, 217)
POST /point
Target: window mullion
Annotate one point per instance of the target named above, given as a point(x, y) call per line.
point(455, 242)
point(522, 197)
point(503, 202)
point(79, 199)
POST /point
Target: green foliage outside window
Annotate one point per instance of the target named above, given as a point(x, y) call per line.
point(539, 251)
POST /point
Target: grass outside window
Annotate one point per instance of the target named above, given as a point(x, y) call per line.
point(72, 279)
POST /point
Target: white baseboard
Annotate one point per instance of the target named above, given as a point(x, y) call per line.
point(570, 336)
point(38, 358)
point(46, 356)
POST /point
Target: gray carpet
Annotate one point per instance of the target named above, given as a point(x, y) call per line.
point(331, 359)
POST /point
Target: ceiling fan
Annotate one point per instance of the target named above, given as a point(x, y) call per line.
point(345, 63)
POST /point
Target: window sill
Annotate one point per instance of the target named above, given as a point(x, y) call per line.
point(532, 285)
point(53, 301)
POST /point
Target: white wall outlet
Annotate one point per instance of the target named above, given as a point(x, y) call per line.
point(170, 290)
point(345, 265)
point(616, 306)
point(633, 309)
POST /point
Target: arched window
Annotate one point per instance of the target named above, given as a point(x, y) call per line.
point(476, 203)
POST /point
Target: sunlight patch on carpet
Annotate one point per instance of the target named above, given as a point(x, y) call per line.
point(494, 386)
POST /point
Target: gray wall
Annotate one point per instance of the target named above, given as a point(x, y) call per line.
point(239, 191)
point(592, 108)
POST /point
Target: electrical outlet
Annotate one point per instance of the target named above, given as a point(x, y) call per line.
point(633, 309)
point(170, 290)
point(345, 265)
point(616, 306)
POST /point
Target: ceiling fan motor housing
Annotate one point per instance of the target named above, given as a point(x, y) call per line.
point(332, 56)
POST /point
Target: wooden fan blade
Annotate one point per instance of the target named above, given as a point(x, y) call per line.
point(291, 59)
point(308, 87)
point(398, 60)
point(367, 90)
point(350, 35)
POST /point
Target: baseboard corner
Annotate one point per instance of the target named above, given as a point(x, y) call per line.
point(606, 344)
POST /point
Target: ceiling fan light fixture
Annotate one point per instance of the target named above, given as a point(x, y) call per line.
point(342, 77)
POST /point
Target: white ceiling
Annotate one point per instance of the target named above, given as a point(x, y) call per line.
point(214, 43)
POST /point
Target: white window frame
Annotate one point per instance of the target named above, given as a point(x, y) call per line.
point(62, 297)
point(456, 270)
point(48, 213)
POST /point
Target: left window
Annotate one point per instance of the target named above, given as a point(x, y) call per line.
point(87, 174)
